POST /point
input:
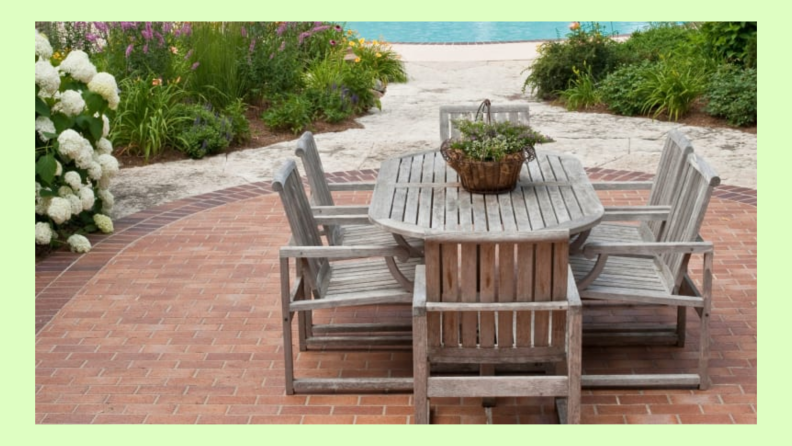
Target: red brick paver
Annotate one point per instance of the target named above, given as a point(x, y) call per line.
point(175, 318)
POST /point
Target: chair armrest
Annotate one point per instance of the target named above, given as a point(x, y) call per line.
point(622, 185)
point(645, 249)
point(573, 295)
point(344, 252)
point(636, 213)
point(419, 291)
point(354, 186)
point(340, 210)
point(342, 219)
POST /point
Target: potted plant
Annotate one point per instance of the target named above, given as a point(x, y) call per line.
point(488, 156)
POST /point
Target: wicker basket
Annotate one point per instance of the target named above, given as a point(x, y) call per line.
point(487, 177)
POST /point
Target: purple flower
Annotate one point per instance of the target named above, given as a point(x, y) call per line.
point(101, 26)
point(166, 27)
point(302, 36)
point(159, 37)
point(187, 56)
point(145, 49)
point(146, 35)
point(338, 28)
point(127, 25)
point(332, 43)
point(90, 37)
point(129, 50)
point(320, 28)
point(281, 28)
point(187, 30)
point(317, 23)
point(272, 55)
point(252, 45)
point(195, 65)
point(243, 31)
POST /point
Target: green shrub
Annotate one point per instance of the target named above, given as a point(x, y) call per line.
point(219, 49)
point(620, 91)
point(294, 113)
point(325, 89)
point(661, 39)
point(582, 93)
point(670, 87)
point(731, 93)
point(235, 112)
point(731, 41)
point(148, 116)
point(380, 59)
point(204, 132)
point(553, 70)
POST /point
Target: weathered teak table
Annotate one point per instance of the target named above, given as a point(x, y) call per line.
point(418, 194)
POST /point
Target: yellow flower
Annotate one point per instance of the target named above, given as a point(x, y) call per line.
point(174, 50)
point(357, 59)
point(351, 43)
point(374, 42)
point(378, 55)
point(57, 56)
point(350, 32)
point(156, 82)
point(362, 40)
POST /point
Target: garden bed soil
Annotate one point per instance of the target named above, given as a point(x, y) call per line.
point(260, 136)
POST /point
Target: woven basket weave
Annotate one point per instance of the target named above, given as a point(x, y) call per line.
point(486, 177)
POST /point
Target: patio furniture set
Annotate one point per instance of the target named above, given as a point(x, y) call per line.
point(498, 284)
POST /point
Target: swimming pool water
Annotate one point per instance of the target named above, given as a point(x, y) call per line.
point(423, 32)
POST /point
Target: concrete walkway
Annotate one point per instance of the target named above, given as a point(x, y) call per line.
point(439, 75)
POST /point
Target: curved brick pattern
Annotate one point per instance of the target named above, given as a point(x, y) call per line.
point(175, 318)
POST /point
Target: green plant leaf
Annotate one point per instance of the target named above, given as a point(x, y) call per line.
point(91, 124)
point(46, 167)
point(42, 108)
point(90, 228)
point(62, 122)
point(95, 102)
point(47, 193)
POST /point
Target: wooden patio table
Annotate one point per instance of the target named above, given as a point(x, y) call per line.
point(418, 194)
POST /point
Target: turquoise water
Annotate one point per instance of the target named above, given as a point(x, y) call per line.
point(423, 32)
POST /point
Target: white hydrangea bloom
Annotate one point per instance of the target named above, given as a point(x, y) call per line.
point(71, 103)
point(59, 210)
point(44, 125)
point(104, 223)
point(73, 179)
point(109, 165)
point(65, 191)
point(43, 233)
point(38, 189)
point(58, 168)
point(79, 243)
point(78, 66)
point(105, 126)
point(76, 204)
point(108, 201)
point(47, 79)
point(104, 182)
point(105, 85)
point(85, 157)
point(42, 204)
point(94, 170)
point(71, 143)
point(87, 197)
point(43, 47)
point(104, 147)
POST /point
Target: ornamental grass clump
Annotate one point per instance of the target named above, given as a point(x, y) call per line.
point(74, 165)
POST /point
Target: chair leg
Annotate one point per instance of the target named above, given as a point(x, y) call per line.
point(287, 353)
point(681, 326)
point(487, 370)
point(704, 343)
point(304, 329)
point(420, 371)
point(574, 364)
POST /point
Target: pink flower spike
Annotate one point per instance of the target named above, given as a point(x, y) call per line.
point(129, 50)
point(195, 65)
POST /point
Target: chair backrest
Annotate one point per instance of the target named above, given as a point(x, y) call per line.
point(697, 181)
point(668, 178)
point(301, 221)
point(508, 269)
point(320, 191)
point(499, 113)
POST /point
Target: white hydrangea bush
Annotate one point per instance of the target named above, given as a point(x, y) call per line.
point(74, 161)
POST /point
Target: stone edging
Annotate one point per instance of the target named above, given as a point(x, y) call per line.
point(62, 275)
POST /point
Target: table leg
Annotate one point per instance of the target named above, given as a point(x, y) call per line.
point(414, 252)
point(576, 246)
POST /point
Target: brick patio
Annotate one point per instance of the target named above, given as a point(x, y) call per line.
point(175, 318)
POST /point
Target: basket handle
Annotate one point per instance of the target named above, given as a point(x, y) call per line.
point(480, 112)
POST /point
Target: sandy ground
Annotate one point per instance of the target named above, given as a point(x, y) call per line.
point(442, 75)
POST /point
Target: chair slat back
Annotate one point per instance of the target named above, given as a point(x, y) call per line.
point(502, 269)
point(688, 209)
point(320, 191)
point(668, 179)
point(301, 221)
point(499, 113)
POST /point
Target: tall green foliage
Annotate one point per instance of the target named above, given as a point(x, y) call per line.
point(730, 41)
point(219, 49)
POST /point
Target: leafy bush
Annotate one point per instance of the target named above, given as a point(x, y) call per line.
point(621, 91)
point(730, 41)
point(671, 87)
point(240, 126)
point(553, 70)
point(661, 39)
point(582, 92)
point(731, 93)
point(484, 141)
point(203, 132)
point(325, 89)
point(148, 116)
point(219, 50)
point(379, 58)
point(294, 114)
point(74, 164)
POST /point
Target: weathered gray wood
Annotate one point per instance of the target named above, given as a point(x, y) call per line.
point(339, 210)
point(515, 113)
point(351, 186)
point(361, 328)
point(496, 306)
point(639, 381)
point(497, 386)
point(623, 185)
point(352, 385)
point(358, 341)
point(343, 252)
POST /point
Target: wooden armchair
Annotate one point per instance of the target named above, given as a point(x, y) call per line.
point(343, 225)
point(513, 113)
point(499, 299)
point(323, 283)
point(648, 267)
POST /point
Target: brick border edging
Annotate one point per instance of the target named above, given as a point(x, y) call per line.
point(66, 274)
